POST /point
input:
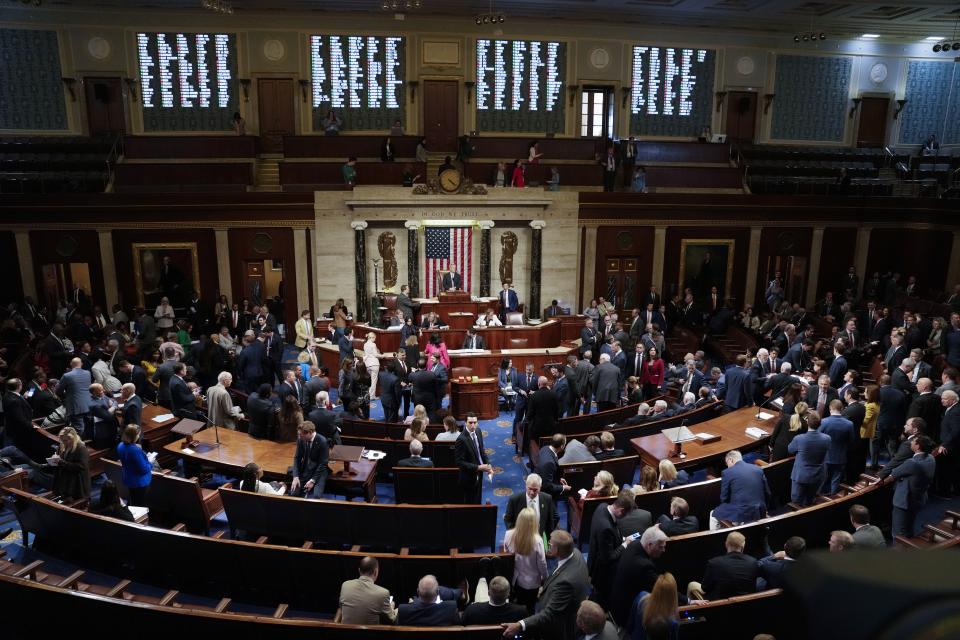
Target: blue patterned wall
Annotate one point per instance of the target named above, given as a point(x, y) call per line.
point(31, 92)
point(931, 107)
point(812, 98)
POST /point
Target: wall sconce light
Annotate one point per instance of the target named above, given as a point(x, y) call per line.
point(131, 87)
point(573, 92)
point(625, 93)
point(900, 105)
point(853, 109)
point(70, 83)
point(720, 95)
point(468, 86)
point(767, 101)
point(413, 84)
point(303, 88)
point(245, 85)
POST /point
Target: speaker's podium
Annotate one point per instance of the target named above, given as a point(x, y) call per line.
point(450, 286)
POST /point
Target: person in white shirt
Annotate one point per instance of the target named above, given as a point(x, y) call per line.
point(530, 563)
point(251, 481)
point(100, 371)
point(372, 362)
point(451, 432)
point(164, 314)
point(489, 319)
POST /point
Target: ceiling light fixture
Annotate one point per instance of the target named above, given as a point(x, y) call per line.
point(810, 36)
point(870, 36)
point(218, 6)
point(490, 17)
point(933, 38)
point(947, 47)
point(400, 5)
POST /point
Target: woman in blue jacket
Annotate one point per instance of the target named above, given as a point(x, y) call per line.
point(137, 466)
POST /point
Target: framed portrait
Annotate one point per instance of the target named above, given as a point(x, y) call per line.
point(168, 269)
point(705, 264)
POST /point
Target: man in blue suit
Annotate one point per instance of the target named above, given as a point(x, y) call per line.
point(774, 569)
point(692, 379)
point(345, 344)
point(425, 611)
point(736, 390)
point(75, 390)
point(508, 302)
point(839, 365)
point(525, 386)
point(842, 438)
point(250, 365)
point(743, 492)
point(892, 416)
point(811, 450)
point(912, 478)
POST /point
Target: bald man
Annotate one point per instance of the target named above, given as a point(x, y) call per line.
point(926, 404)
point(74, 390)
point(543, 410)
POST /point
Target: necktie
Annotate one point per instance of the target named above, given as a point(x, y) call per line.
point(529, 380)
point(686, 385)
point(821, 402)
point(476, 445)
point(636, 365)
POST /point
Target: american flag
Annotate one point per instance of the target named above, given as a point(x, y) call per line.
point(448, 249)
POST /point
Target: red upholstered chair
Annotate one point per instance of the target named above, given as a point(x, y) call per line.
point(456, 372)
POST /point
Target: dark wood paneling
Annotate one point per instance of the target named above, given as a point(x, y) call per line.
point(741, 116)
point(682, 152)
point(232, 173)
point(275, 99)
point(123, 241)
point(694, 177)
point(189, 146)
point(104, 99)
point(46, 247)
point(872, 130)
point(671, 260)
point(781, 241)
point(570, 174)
point(11, 285)
point(836, 258)
point(281, 248)
point(924, 253)
point(389, 173)
point(552, 148)
point(624, 242)
point(346, 146)
point(441, 110)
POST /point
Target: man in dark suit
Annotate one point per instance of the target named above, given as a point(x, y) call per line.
point(808, 471)
point(498, 610)
point(838, 368)
point(548, 467)
point(893, 413)
point(525, 387)
point(401, 369)
point(927, 405)
point(774, 569)
point(636, 572)
point(310, 460)
point(608, 447)
point(605, 382)
point(896, 354)
point(132, 405)
point(473, 341)
point(424, 385)
point(760, 371)
point(732, 574)
point(820, 396)
point(562, 592)
point(273, 352)
point(415, 460)
point(913, 478)
point(129, 372)
point(56, 350)
point(471, 459)
point(537, 500)
point(913, 428)
point(425, 611)
point(842, 439)
point(261, 410)
point(291, 387)
point(345, 345)
point(327, 423)
point(679, 521)
point(440, 372)
point(509, 301)
point(250, 364)
point(542, 411)
point(74, 389)
point(865, 535)
point(389, 395)
point(744, 493)
point(589, 338)
point(948, 460)
point(606, 544)
point(452, 281)
point(405, 304)
point(181, 397)
point(634, 361)
point(900, 378)
point(17, 416)
point(736, 390)
point(798, 355)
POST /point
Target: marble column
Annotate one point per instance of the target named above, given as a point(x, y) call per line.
point(25, 257)
point(536, 258)
point(816, 251)
point(300, 264)
point(860, 255)
point(413, 258)
point(659, 251)
point(224, 279)
point(953, 267)
point(753, 261)
point(589, 267)
point(360, 268)
point(485, 227)
point(110, 291)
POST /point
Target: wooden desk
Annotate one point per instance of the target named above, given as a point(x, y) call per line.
point(154, 434)
point(477, 397)
point(540, 336)
point(237, 449)
point(730, 427)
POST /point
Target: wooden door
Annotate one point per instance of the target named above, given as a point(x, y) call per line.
point(441, 114)
point(872, 131)
point(741, 116)
point(254, 285)
point(105, 114)
point(276, 109)
point(622, 285)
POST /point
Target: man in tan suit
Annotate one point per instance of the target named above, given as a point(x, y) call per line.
point(220, 407)
point(362, 601)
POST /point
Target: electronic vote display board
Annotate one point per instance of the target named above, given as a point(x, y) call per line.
point(671, 90)
point(520, 85)
point(188, 81)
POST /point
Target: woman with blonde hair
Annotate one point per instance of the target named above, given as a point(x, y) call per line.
point(604, 486)
point(419, 413)
point(788, 427)
point(648, 480)
point(70, 466)
point(868, 429)
point(372, 362)
point(656, 614)
point(529, 557)
point(670, 477)
point(417, 429)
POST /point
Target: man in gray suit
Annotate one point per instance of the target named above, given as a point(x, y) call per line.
point(404, 303)
point(363, 601)
point(606, 383)
point(811, 450)
point(74, 389)
point(913, 478)
point(865, 535)
point(592, 622)
point(562, 593)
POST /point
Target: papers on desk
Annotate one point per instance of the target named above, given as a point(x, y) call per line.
point(53, 460)
point(778, 403)
point(188, 451)
point(139, 513)
point(163, 417)
point(763, 415)
point(704, 436)
point(152, 457)
point(679, 434)
point(466, 351)
point(396, 327)
point(371, 454)
point(756, 433)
